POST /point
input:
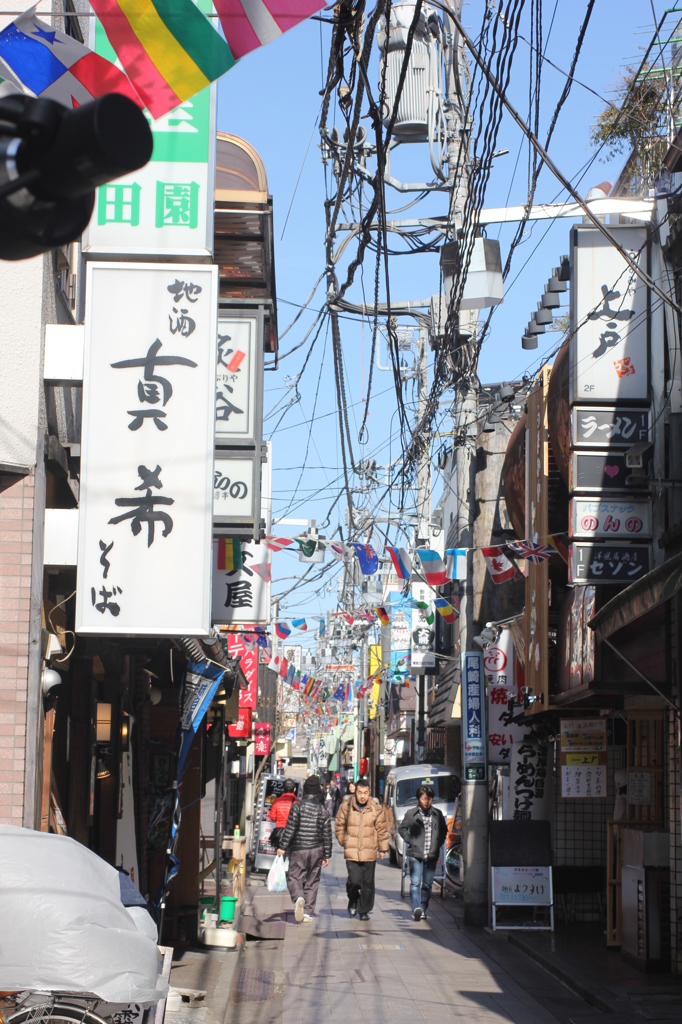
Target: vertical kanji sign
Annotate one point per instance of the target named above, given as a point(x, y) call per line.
point(146, 501)
point(499, 663)
point(473, 717)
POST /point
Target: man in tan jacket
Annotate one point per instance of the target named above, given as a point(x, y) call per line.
point(362, 831)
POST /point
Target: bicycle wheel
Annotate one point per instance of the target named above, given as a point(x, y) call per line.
point(54, 1012)
point(453, 866)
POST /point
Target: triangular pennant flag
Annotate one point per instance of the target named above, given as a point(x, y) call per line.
point(264, 570)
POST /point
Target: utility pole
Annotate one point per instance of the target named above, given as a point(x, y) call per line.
point(474, 794)
point(423, 522)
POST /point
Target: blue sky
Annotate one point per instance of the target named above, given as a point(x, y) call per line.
point(272, 99)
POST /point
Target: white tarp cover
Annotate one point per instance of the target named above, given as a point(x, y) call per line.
point(64, 926)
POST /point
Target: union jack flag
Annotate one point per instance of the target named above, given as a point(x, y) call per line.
point(531, 550)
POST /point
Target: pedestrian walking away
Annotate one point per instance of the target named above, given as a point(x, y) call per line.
point(307, 839)
point(423, 830)
point(280, 810)
point(362, 831)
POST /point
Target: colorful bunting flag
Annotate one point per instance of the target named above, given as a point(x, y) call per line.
point(457, 563)
point(46, 62)
point(299, 624)
point(425, 608)
point(264, 570)
point(530, 549)
point(306, 545)
point(350, 619)
point(230, 554)
point(401, 562)
point(340, 551)
point(559, 547)
point(432, 567)
point(250, 642)
point(445, 609)
point(282, 630)
point(248, 24)
point(367, 557)
point(168, 48)
point(323, 626)
point(384, 617)
point(277, 543)
point(500, 568)
point(284, 668)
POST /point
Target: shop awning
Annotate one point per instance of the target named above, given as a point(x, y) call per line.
point(657, 586)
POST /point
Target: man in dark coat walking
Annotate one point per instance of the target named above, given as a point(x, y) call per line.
point(307, 838)
point(423, 829)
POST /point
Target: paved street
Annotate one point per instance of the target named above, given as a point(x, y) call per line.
point(392, 969)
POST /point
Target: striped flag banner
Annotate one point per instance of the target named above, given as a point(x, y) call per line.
point(282, 630)
point(171, 51)
point(168, 48)
point(433, 567)
point(230, 554)
point(445, 609)
point(401, 562)
point(248, 24)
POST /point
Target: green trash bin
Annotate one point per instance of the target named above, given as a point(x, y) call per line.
point(228, 907)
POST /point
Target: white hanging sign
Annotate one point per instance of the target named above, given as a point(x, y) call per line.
point(243, 595)
point(146, 499)
point(234, 487)
point(499, 663)
point(238, 370)
point(609, 356)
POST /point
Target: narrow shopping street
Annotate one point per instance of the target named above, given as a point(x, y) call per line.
point(389, 969)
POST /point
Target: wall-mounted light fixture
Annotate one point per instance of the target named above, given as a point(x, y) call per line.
point(103, 731)
point(126, 725)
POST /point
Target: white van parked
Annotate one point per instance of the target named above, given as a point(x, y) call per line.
point(401, 794)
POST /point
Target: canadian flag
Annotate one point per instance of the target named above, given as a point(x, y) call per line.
point(499, 566)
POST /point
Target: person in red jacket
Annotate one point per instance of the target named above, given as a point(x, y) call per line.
point(280, 810)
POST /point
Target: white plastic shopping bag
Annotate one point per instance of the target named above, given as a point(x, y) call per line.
point(277, 875)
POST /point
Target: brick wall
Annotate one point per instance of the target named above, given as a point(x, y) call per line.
point(16, 542)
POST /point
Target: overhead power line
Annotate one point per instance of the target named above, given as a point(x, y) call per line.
point(634, 266)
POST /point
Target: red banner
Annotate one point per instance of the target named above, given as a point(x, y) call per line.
point(236, 647)
point(241, 729)
point(262, 732)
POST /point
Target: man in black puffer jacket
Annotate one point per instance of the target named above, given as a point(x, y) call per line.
point(307, 838)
